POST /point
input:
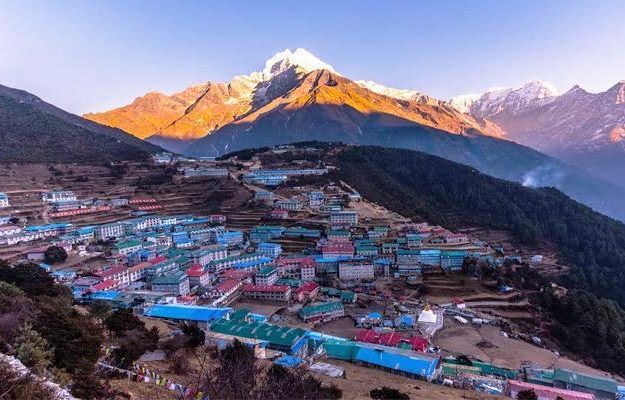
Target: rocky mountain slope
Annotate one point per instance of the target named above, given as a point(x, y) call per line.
point(32, 130)
point(298, 97)
point(583, 128)
point(203, 109)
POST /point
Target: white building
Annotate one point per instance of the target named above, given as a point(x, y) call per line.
point(289, 205)
point(272, 250)
point(58, 195)
point(427, 316)
point(4, 200)
point(106, 231)
point(266, 276)
point(356, 271)
point(198, 172)
point(344, 218)
point(308, 272)
point(9, 230)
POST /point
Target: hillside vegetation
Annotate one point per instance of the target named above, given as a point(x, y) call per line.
point(34, 131)
point(589, 320)
point(442, 192)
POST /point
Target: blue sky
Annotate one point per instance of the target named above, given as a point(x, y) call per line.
point(90, 56)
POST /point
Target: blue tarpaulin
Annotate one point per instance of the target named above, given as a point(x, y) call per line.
point(289, 361)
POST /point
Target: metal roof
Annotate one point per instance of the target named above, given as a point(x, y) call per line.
point(585, 380)
point(187, 312)
point(384, 358)
point(282, 336)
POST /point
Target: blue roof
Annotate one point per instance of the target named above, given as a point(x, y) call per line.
point(251, 263)
point(397, 361)
point(187, 312)
point(258, 317)
point(267, 244)
point(322, 259)
point(289, 361)
point(46, 227)
point(104, 295)
point(375, 315)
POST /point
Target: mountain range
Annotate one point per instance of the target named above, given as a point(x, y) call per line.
point(582, 128)
point(32, 130)
point(282, 85)
point(297, 97)
point(578, 127)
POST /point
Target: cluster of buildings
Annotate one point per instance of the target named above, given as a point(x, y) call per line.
point(164, 266)
point(274, 177)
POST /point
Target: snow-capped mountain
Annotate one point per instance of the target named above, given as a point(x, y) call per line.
point(400, 94)
point(301, 59)
point(583, 128)
point(172, 121)
point(505, 100)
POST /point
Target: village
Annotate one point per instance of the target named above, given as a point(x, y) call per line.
point(299, 266)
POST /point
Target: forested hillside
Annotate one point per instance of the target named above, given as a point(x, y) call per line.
point(442, 192)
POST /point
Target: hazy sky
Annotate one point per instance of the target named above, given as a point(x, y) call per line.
point(93, 55)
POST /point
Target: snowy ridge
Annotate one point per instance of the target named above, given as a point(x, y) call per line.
point(511, 100)
point(300, 58)
point(401, 94)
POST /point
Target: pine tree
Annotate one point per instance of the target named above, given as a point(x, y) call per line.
point(32, 349)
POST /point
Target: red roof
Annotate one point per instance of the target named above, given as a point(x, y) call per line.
point(549, 392)
point(227, 285)
point(279, 212)
point(308, 261)
point(187, 299)
point(390, 339)
point(338, 245)
point(139, 267)
point(368, 336)
point(196, 271)
point(105, 285)
point(419, 343)
point(158, 259)
point(307, 287)
point(266, 288)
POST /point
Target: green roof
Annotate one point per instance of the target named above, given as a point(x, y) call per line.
point(279, 336)
point(233, 258)
point(346, 295)
point(127, 244)
point(266, 271)
point(289, 282)
point(584, 380)
point(339, 233)
point(450, 253)
point(341, 350)
point(316, 308)
point(172, 278)
point(240, 314)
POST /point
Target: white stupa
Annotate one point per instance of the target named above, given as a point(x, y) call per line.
point(427, 316)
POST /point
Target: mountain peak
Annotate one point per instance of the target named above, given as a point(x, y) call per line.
point(618, 92)
point(538, 89)
point(496, 100)
point(300, 58)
